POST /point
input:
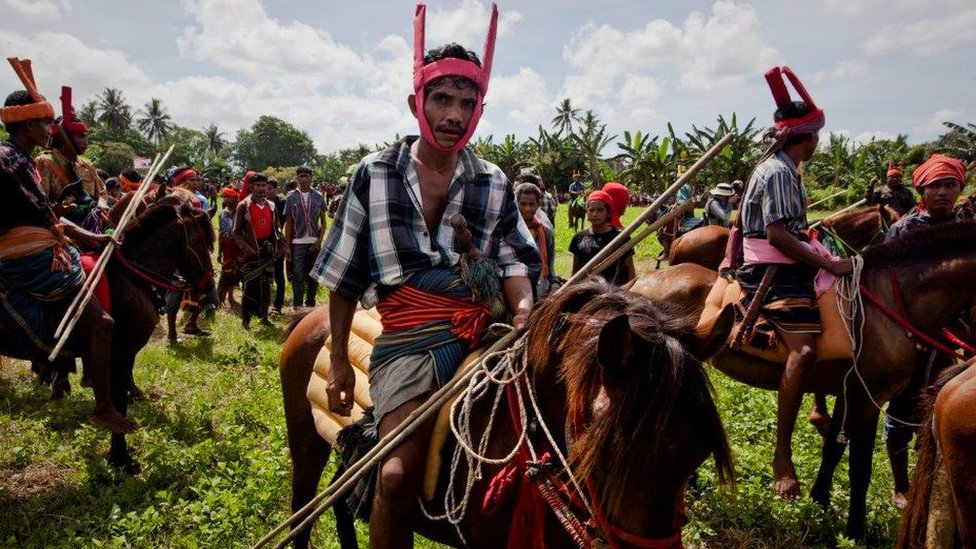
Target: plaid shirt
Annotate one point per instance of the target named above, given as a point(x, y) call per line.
point(775, 192)
point(549, 205)
point(380, 237)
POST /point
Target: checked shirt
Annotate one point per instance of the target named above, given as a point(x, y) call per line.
point(380, 239)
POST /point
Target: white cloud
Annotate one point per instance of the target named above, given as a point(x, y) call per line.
point(933, 126)
point(706, 54)
point(35, 9)
point(925, 37)
point(864, 138)
point(876, 7)
point(467, 25)
point(523, 97)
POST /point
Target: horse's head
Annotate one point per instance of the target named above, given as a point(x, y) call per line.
point(640, 412)
point(169, 235)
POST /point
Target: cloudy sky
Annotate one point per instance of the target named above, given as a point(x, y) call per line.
point(340, 69)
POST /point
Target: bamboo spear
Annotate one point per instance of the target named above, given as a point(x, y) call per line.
point(857, 204)
point(457, 384)
point(822, 200)
point(85, 295)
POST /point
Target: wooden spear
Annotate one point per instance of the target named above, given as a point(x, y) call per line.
point(96, 274)
point(432, 406)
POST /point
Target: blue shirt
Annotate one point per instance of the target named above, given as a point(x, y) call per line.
point(775, 193)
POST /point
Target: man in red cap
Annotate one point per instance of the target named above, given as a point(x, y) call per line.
point(893, 194)
point(40, 267)
point(409, 215)
point(773, 221)
point(939, 181)
point(71, 181)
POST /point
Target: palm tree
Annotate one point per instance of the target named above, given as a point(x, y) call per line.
point(154, 121)
point(89, 113)
point(959, 142)
point(215, 138)
point(116, 115)
point(646, 159)
point(591, 140)
point(565, 116)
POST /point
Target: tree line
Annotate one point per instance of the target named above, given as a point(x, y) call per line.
point(572, 140)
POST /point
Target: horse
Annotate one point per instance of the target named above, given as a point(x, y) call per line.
point(577, 213)
point(941, 510)
point(619, 384)
point(164, 238)
point(855, 230)
point(933, 269)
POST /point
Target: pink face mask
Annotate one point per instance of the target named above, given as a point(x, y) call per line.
point(424, 74)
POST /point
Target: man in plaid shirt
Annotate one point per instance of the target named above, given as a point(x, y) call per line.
point(393, 245)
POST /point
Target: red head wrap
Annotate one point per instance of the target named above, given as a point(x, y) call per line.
point(229, 192)
point(894, 171)
point(811, 122)
point(939, 166)
point(70, 122)
point(246, 186)
point(425, 74)
point(602, 196)
point(621, 196)
point(128, 184)
point(39, 109)
point(184, 175)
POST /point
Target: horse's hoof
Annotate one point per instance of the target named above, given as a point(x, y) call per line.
point(820, 497)
point(126, 464)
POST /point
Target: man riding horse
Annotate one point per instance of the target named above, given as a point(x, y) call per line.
point(40, 267)
point(394, 245)
point(779, 263)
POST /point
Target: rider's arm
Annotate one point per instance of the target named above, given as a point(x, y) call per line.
point(518, 297)
point(781, 239)
point(342, 379)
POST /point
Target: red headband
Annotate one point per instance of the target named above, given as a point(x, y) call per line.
point(894, 171)
point(229, 192)
point(811, 122)
point(68, 121)
point(938, 167)
point(425, 74)
point(602, 196)
point(184, 175)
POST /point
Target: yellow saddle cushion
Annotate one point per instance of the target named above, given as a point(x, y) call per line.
point(833, 343)
point(366, 327)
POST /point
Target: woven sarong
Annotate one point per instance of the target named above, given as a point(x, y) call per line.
point(432, 312)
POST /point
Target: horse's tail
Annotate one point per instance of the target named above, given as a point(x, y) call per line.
point(296, 317)
point(914, 523)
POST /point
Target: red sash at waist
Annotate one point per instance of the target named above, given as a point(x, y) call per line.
point(407, 308)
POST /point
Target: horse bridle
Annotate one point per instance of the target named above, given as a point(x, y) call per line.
point(168, 283)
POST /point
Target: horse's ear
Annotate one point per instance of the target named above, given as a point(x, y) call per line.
point(615, 347)
point(705, 343)
point(168, 200)
point(186, 209)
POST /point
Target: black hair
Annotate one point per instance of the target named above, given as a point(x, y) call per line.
point(132, 175)
point(528, 188)
point(258, 176)
point(102, 174)
point(111, 182)
point(791, 111)
point(450, 51)
point(17, 98)
point(303, 169)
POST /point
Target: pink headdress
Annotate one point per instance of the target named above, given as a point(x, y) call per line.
point(424, 74)
point(69, 121)
point(808, 123)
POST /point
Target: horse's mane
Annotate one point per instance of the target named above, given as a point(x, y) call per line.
point(847, 216)
point(159, 214)
point(574, 319)
point(924, 245)
point(914, 522)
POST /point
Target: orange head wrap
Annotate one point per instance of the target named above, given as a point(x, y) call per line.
point(39, 109)
point(894, 171)
point(939, 166)
point(229, 192)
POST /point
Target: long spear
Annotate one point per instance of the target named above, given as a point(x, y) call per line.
point(838, 212)
point(75, 311)
point(457, 384)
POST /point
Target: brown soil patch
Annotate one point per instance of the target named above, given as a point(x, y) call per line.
point(34, 480)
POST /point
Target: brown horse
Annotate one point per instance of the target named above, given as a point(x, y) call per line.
point(162, 240)
point(577, 213)
point(619, 386)
point(934, 268)
point(941, 511)
point(856, 230)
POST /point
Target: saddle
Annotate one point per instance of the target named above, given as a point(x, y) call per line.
point(366, 327)
point(833, 343)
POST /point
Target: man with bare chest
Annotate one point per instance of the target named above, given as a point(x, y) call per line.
point(393, 246)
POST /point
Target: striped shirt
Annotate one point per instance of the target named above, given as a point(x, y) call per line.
point(775, 193)
point(379, 237)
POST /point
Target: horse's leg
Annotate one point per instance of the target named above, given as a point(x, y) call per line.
point(863, 429)
point(830, 457)
point(123, 362)
point(345, 520)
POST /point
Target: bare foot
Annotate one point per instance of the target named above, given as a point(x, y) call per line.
point(820, 421)
point(108, 418)
point(785, 483)
point(899, 499)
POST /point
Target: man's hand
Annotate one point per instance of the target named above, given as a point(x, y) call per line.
point(520, 318)
point(342, 381)
point(842, 267)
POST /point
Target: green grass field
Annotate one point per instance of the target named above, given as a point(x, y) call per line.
point(216, 469)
